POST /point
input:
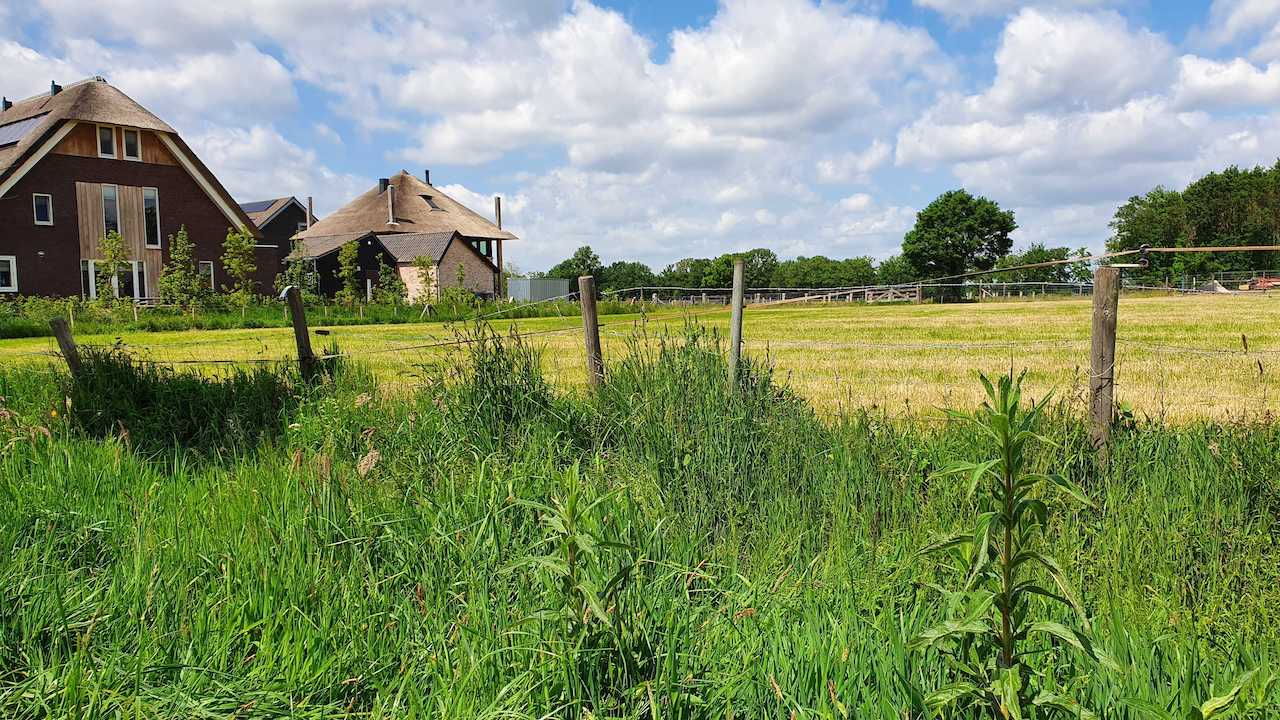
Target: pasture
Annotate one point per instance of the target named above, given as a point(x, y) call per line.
point(475, 540)
point(1179, 358)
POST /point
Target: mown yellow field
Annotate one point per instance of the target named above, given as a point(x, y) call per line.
point(1180, 358)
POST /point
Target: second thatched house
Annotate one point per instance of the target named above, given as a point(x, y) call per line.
point(407, 223)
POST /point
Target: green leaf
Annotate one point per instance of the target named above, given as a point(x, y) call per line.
point(1069, 488)
point(978, 471)
point(944, 543)
point(1149, 709)
point(946, 695)
point(1063, 702)
point(1213, 706)
point(1076, 639)
point(1007, 686)
point(949, 629)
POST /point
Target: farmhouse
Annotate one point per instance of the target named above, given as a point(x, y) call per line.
point(84, 160)
point(400, 220)
point(279, 219)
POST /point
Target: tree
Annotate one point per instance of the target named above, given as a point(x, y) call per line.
point(958, 233)
point(391, 289)
point(239, 262)
point(758, 271)
point(1157, 219)
point(1034, 254)
point(349, 273)
point(179, 281)
point(115, 259)
point(895, 270)
point(426, 270)
point(819, 272)
point(300, 273)
point(625, 274)
point(686, 273)
point(584, 261)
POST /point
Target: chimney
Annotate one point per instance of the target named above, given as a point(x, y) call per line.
point(54, 88)
point(382, 184)
point(427, 176)
point(5, 104)
point(391, 204)
point(497, 209)
point(311, 211)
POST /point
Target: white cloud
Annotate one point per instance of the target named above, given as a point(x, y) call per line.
point(1209, 83)
point(1053, 61)
point(327, 133)
point(965, 10)
point(258, 162)
point(855, 166)
point(1230, 20)
point(25, 72)
point(857, 202)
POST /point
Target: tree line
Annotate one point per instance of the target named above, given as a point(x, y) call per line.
point(1228, 208)
point(957, 233)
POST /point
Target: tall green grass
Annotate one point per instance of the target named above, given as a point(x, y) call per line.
point(667, 547)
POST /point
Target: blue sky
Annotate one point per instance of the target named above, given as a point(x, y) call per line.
point(661, 130)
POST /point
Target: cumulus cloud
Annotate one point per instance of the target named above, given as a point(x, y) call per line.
point(966, 10)
point(258, 163)
point(1210, 83)
point(855, 166)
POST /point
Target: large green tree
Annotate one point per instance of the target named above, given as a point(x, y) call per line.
point(821, 272)
point(958, 233)
point(584, 261)
point(895, 270)
point(625, 274)
point(758, 270)
point(684, 273)
point(1036, 254)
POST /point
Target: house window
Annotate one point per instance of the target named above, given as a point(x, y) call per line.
point(302, 226)
point(106, 141)
point(132, 145)
point(43, 208)
point(206, 272)
point(110, 210)
point(8, 273)
point(431, 202)
point(483, 247)
point(151, 216)
point(129, 282)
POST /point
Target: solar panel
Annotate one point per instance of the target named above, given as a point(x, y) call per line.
point(259, 206)
point(14, 132)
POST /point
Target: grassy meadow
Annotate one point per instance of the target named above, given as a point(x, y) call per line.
point(901, 358)
point(484, 542)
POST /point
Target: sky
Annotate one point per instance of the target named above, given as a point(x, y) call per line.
point(657, 130)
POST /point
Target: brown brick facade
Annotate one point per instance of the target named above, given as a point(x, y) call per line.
point(48, 257)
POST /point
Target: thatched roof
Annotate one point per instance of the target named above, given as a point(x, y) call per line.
point(262, 211)
point(33, 121)
point(419, 208)
point(404, 247)
point(91, 100)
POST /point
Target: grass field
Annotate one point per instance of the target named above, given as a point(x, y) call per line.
point(490, 547)
point(904, 359)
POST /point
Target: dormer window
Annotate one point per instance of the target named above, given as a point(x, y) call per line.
point(431, 202)
point(106, 141)
point(132, 144)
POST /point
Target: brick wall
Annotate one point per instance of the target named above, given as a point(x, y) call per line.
point(49, 257)
point(479, 274)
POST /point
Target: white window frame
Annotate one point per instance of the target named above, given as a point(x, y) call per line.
point(36, 215)
point(124, 146)
point(13, 274)
point(208, 276)
point(97, 139)
point(159, 235)
point(138, 290)
point(104, 207)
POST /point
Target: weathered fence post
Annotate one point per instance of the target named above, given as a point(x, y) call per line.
point(301, 334)
point(1102, 356)
point(67, 344)
point(591, 330)
point(735, 320)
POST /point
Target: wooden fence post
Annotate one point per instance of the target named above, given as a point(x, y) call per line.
point(1102, 356)
point(591, 330)
point(735, 320)
point(301, 334)
point(67, 344)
